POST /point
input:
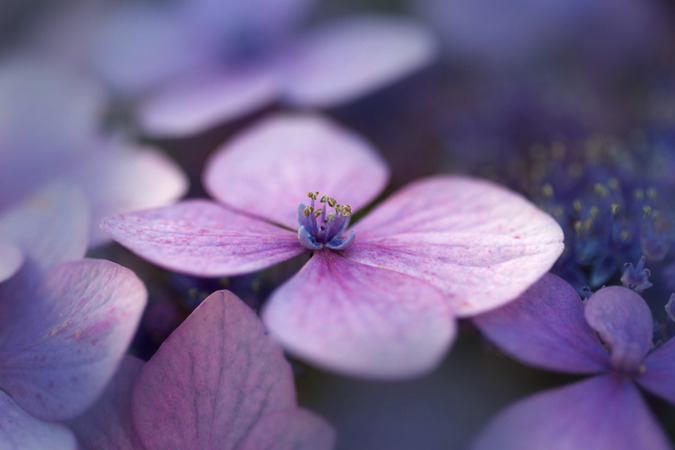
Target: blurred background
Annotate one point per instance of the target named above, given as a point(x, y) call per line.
point(570, 102)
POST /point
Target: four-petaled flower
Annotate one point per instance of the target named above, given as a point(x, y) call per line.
point(378, 300)
point(610, 336)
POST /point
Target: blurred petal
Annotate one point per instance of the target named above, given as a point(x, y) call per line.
point(545, 327)
point(20, 431)
point(308, 432)
point(624, 322)
point(275, 163)
point(202, 238)
point(602, 413)
point(201, 102)
point(659, 374)
point(359, 320)
point(212, 380)
point(479, 243)
point(137, 47)
point(64, 344)
point(107, 424)
point(339, 62)
point(124, 179)
point(11, 258)
point(51, 227)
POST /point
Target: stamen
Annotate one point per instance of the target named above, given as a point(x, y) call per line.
point(324, 228)
point(313, 195)
point(318, 212)
point(324, 199)
point(308, 210)
point(331, 202)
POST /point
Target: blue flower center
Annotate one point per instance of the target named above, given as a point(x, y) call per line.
point(319, 228)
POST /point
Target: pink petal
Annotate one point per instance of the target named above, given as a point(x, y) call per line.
point(107, 424)
point(211, 381)
point(50, 226)
point(123, 179)
point(545, 327)
point(624, 322)
point(359, 320)
point(602, 413)
point(479, 243)
point(659, 372)
point(309, 432)
point(63, 345)
point(11, 258)
point(269, 168)
point(339, 62)
point(20, 431)
point(203, 101)
point(202, 238)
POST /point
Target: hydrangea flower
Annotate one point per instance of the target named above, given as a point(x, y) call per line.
point(207, 62)
point(65, 322)
point(377, 300)
point(609, 337)
point(50, 130)
point(218, 382)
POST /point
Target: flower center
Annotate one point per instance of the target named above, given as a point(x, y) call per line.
point(319, 228)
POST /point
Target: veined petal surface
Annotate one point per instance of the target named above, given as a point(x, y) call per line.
point(545, 327)
point(200, 102)
point(360, 320)
point(338, 62)
point(211, 381)
point(479, 243)
point(107, 425)
point(62, 346)
point(624, 322)
point(308, 432)
point(270, 167)
point(202, 238)
point(21, 431)
point(602, 413)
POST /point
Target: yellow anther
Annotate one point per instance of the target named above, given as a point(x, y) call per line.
point(330, 217)
point(578, 226)
point(595, 212)
point(614, 208)
point(324, 199)
point(339, 208)
point(613, 184)
point(624, 235)
point(652, 193)
point(656, 215)
point(576, 204)
point(332, 202)
point(588, 224)
point(347, 210)
point(600, 189)
point(638, 194)
point(313, 195)
point(308, 210)
point(646, 210)
point(318, 212)
point(547, 190)
point(558, 211)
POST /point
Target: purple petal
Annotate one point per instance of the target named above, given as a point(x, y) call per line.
point(479, 243)
point(20, 431)
point(659, 372)
point(339, 62)
point(211, 381)
point(201, 102)
point(50, 226)
point(267, 169)
point(202, 238)
point(545, 327)
point(123, 179)
point(360, 320)
point(602, 413)
point(62, 345)
point(107, 424)
point(308, 432)
point(11, 258)
point(624, 322)
point(137, 47)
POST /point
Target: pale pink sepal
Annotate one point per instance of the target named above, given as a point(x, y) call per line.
point(479, 243)
point(11, 258)
point(360, 320)
point(202, 238)
point(63, 344)
point(202, 101)
point(270, 167)
point(211, 381)
point(338, 62)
